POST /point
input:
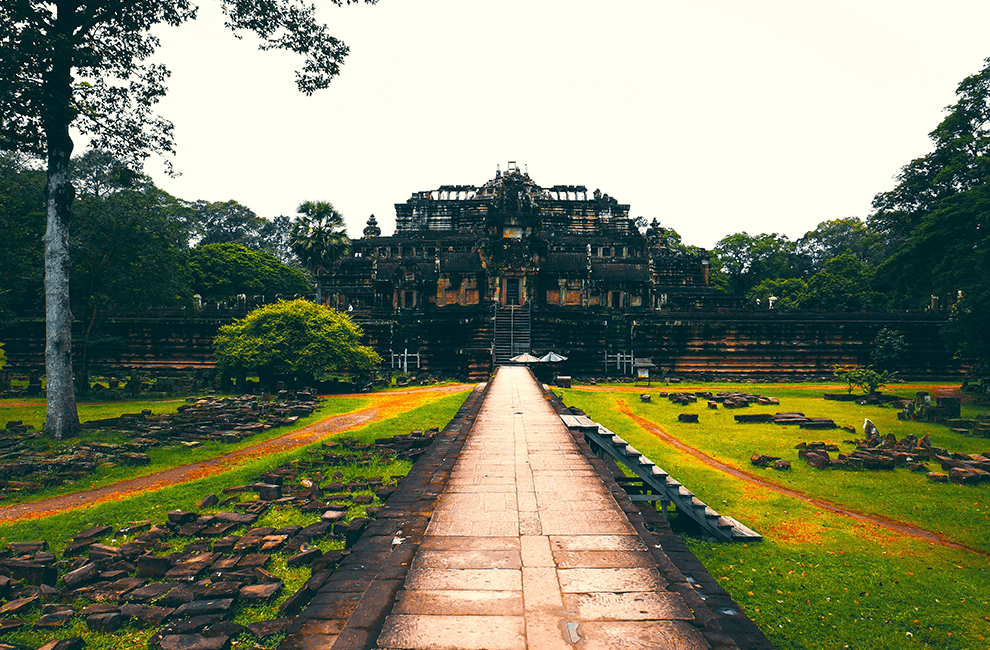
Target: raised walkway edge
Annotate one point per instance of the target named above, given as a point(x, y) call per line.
point(351, 603)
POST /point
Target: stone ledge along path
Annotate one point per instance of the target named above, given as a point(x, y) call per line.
point(526, 547)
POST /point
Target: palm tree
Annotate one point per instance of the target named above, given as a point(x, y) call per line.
point(318, 239)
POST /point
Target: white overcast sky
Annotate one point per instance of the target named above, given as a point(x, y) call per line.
point(712, 116)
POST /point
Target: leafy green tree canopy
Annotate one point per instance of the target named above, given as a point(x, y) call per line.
point(295, 338)
point(936, 223)
point(77, 64)
point(319, 240)
point(844, 284)
point(747, 259)
point(127, 242)
point(960, 161)
point(22, 222)
point(888, 346)
point(219, 272)
point(833, 238)
point(779, 295)
point(227, 222)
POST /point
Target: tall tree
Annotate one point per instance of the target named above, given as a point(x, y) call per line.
point(845, 283)
point(748, 260)
point(319, 239)
point(275, 237)
point(833, 238)
point(960, 161)
point(936, 223)
point(227, 222)
point(84, 64)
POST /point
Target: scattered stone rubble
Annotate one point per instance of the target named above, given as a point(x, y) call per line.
point(227, 419)
point(792, 418)
point(728, 400)
point(191, 596)
point(876, 452)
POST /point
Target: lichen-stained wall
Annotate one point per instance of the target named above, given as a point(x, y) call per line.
point(457, 341)
point(563, 246)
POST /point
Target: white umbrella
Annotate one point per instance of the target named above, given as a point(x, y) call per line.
point(552, 357)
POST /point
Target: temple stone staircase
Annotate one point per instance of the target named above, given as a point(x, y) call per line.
point(512, 333)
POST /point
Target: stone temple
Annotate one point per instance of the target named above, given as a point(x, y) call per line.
point(477, 274)
point(474, 275)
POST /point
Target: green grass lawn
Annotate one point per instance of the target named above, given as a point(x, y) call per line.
point(163, 457)
point(31, 411)
point(821, 580)
point(59, 529)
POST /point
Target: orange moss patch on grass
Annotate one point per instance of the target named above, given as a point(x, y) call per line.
point(797, 531)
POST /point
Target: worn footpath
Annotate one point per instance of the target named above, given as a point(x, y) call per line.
point(514, 536)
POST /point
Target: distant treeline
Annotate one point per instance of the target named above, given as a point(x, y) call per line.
point(925, 245)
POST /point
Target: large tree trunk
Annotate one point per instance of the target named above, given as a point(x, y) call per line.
point(61, 420)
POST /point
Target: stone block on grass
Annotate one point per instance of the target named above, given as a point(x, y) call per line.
point(8, 624)
point(194, 642)
point(108, 622)
point(93, 532)
point(18, 606)
point(763, 461)
point(149, 592)
point(81, 576)
point(146, 614)
point(180, 517)
point(264, 629)
point(72, 643)
point(260, 592)
point(54, 620)
point(304, 557)
point(190, 625)
point(152, 566)
point(204, 607)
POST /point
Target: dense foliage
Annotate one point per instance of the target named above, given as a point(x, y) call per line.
point(925, 246)
point(220, 272)
point(84, 66)
point(134, 246)
point(293, 338)
point(318, 239)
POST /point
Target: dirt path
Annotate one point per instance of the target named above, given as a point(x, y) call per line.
point(391, 404)
point(940, 390)
point(890, 524)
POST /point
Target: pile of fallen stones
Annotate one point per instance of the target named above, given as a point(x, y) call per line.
point(728, 400)
point(876, 452)
point(770, 461)
point(227, 419)
point(978, 426)
point(190, 596)
point(791, 418)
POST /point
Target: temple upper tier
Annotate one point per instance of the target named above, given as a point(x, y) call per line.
point(512, 243)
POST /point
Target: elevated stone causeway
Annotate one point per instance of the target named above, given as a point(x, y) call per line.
point(525, 546)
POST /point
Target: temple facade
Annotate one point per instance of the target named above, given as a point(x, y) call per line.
point(474, 275)
point(511, 243)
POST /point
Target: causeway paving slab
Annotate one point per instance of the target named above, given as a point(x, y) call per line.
point(527, 548)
